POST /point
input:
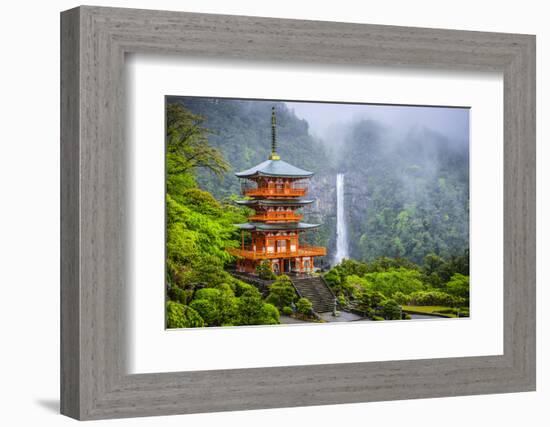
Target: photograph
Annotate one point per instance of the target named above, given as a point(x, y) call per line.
point(286, 212)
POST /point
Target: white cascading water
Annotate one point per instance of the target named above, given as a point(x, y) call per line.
point(342, 250)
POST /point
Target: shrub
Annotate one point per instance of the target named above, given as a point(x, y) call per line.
point(400, 297)
point(177, 294)
point(250, 307)
point(391, 310)
point(333, 278)
point(459, 286)
point(210, 294)
point(369, 300)
point(207, 309)
point(287, 310)
point(281, 292)
point(217, 306)
point(342, 300)
point(264, 271)
point(182, 316)
point(304, 306)
point(394, 280)
point(432, 298)
point(242, 287)
point(369, 312)
point(377, 318)
point(270, 315)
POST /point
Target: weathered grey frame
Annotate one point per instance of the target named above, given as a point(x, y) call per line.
point(94, 41)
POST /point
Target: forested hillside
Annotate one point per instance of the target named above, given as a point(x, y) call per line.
point(199, 228)
point(241, 131)
point(407, 194)
point(406, 198)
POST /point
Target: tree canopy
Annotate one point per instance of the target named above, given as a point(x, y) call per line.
point(199, 229)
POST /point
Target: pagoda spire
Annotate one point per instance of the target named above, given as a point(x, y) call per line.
point(274, 155)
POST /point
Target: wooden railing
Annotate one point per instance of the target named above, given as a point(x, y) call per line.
point(300, 252)
point(276, 216)
point(275, 192)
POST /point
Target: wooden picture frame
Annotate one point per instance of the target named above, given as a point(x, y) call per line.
point(94, 41)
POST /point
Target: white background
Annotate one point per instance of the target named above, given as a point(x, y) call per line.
point(29, 214)
point(480, 335)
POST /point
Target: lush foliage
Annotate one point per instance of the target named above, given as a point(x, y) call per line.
point(281, 292)
point(406, 198)
point(182, 316)
point(409, 195)
point(391, 310)
point(199, 228)
point(242, 133)
point(379, 288)
point(287, 311)
point(443, 311)
point(459, 286)
point(304, 306)
point(264, 271)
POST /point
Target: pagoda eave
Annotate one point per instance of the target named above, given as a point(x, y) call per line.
point(274, 202)
point(288, 226)
point(303, 251)
point(274, 169)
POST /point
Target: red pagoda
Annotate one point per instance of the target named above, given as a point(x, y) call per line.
point(275, 189)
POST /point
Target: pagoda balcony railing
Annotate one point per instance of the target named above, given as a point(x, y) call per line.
point(276, 216)
point(302, 251)
point(275, 192)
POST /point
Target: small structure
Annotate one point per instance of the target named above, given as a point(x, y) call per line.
point(275, 189)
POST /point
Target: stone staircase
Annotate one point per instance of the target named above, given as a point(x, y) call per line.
point(317, 291)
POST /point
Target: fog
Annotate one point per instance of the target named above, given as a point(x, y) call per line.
point(406, 171)
point(326, 119)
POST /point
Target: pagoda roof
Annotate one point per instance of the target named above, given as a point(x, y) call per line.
point(274, 202)
point(276, 227)
point(276, 168)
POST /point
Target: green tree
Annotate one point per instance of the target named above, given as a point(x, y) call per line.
point(400, 297)
point(217, 306)
point(304, 306)
point(333, 279)
point(389, 282)
point(432, 297)
point(199, 228)
point(263, 270)
point(281, 292)
point(270, 315)
point(367, 301)
point(188, 146)
point(432, 263)
point(182, 316)
point(251, 308)
point(459, 286)
point(391, 310)
point(207, 309)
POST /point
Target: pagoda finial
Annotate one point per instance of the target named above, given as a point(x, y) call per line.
point(274, 155)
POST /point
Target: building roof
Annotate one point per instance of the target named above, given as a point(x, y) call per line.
point(277, 168)
point(276, 227)
point(274, 202)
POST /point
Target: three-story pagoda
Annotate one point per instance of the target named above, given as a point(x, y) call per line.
point(275, 189)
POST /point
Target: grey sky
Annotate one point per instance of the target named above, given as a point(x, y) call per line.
point(453, 123)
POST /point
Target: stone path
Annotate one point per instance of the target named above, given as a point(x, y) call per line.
point(343, 317)
point(287, 320)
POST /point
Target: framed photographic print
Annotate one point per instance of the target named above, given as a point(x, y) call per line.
point(303, 212)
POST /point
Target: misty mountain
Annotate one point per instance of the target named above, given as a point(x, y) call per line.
point(407, 191)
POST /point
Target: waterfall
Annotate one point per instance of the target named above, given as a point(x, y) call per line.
point(341, 230)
